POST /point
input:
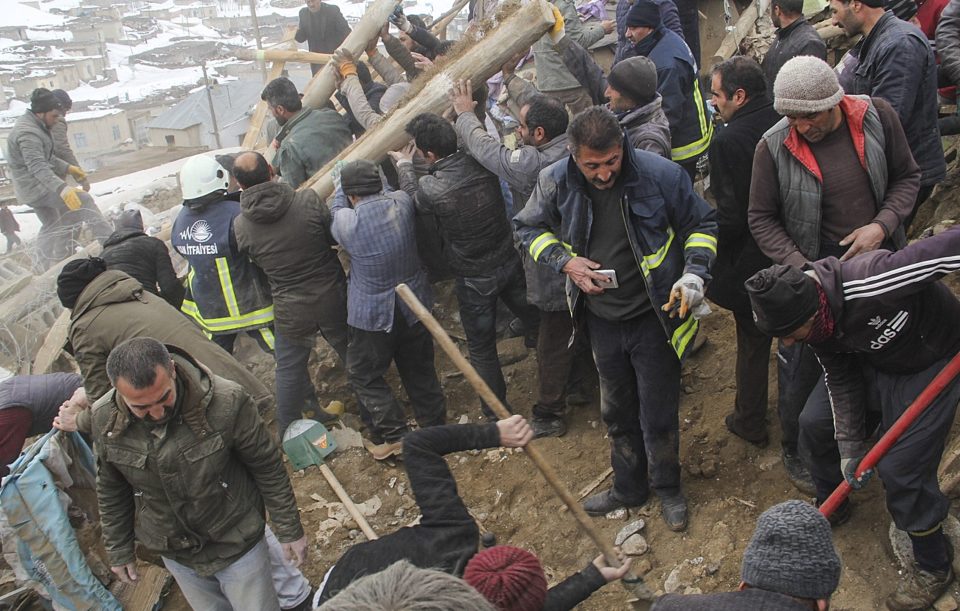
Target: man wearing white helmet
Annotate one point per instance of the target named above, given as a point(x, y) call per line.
point(226, 292)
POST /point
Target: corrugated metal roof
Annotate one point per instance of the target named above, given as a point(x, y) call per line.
point(231, 99)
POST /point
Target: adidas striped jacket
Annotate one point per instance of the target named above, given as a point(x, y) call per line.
point(892, 314)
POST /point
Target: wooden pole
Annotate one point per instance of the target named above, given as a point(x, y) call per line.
point(213, 111)
point(516, 33)
point(439, 28)
point(324, 82)
point(637, 586)
point(285, 55)
point(256, 32)
point(348, 502)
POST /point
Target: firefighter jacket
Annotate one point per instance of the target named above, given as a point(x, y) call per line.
point(671, 229)
point(226, 291)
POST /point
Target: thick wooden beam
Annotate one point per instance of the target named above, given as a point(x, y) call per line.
point(324, 82)
point(273, 55)
point(478, 63)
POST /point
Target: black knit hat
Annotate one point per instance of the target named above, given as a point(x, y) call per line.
point(792, 553)
point(360, 178)
point(129, 219)
point(43, 100)
point(75, 277)
point(63, 98)
point(644, 14)
point(635, 78)
point(783, 298)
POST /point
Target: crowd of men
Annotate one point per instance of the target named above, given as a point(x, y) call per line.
point(589, 230)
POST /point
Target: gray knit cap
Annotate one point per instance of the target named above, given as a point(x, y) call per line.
point(806, 84)
point(792, 553)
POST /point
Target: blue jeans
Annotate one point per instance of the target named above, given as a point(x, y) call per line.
point(639, 401)
point(247, 584)
point(293, 384)
point(478, 297)
point(797, 373)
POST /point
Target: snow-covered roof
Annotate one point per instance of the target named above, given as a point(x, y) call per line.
point(16, 14)
point(86, 115)
point(232, 100)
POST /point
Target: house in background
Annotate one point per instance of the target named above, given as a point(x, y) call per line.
point(95, 135)
point(189, 123)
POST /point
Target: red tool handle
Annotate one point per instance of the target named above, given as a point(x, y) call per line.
point(923, 400)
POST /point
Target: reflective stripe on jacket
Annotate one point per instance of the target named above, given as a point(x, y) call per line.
point(671, 229)
point(226, 292)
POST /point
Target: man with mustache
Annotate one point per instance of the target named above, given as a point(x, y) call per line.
point(636, 244)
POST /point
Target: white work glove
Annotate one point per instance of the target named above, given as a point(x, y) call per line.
point(686, 295)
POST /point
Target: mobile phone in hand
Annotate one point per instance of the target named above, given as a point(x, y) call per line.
point(612, 275)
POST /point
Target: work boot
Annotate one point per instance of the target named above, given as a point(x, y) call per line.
point(602, 503)
point(548, 427)
point(385, 450)
point(797, 472)
point(918, 589)
point(674, 511)
point(760, 441)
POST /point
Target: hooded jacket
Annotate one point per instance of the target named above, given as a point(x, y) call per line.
point(287, 234)
point(114, 307)
point(671, 229)
point(308, 140)
point(146, 259)
point(34, 169)
point(646, 126)
point(891, 312)
point(197, 494)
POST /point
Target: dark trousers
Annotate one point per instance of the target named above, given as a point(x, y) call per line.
point(368, 358)
point(265, 339)
point(753, 361)
point(909, 468)
point(12, 240)
point(797, 373)
point(478, 297)
point(560, 365)
point(294, 388)
point(639, 401)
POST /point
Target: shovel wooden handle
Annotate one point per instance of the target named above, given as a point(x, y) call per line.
point(348, 502)
point(586, 524)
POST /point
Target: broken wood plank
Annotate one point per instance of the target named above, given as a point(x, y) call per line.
point(730, 45)
point(480, 61)
point(593, 485)
point(284, 55)
point(52, 345)
point(146, 591)
point(439, 27)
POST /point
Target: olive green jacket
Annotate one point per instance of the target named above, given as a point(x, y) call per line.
point(197, 493)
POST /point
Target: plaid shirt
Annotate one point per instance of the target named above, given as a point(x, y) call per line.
point(378, 234)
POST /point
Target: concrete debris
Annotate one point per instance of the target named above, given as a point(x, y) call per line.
point(370, 507)
point(631, 528)
point(464, 419)
point(618, 514)
point(346, 438)
point(945, 603)
point(392, 482)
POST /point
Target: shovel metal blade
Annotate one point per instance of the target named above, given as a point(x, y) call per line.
point(307, 442)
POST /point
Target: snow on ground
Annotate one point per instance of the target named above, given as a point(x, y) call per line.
point(120, 192)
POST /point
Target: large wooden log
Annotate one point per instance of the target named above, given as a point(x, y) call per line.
point(324, 82)
point(284, 55)
point(516, 33)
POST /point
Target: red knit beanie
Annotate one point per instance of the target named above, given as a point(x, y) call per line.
point(509, 577)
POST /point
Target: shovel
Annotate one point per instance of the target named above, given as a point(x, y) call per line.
point(307, 443)
point(923, 400)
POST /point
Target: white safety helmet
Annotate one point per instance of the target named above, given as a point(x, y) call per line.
point(202, 175)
